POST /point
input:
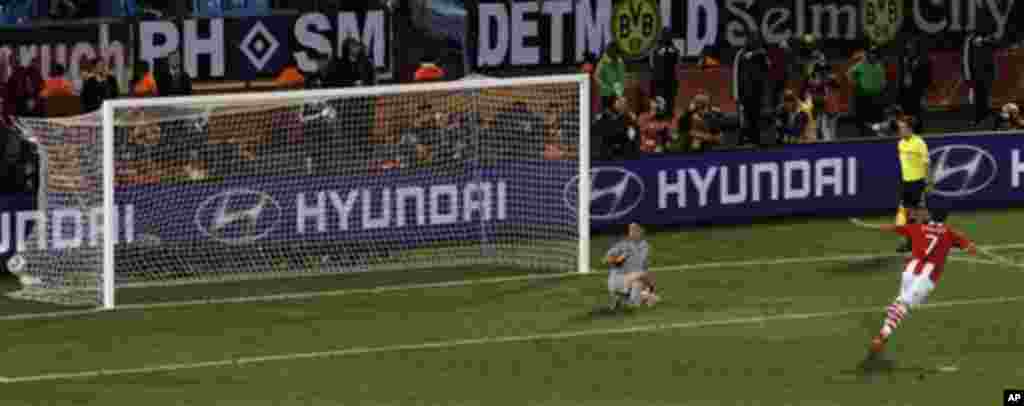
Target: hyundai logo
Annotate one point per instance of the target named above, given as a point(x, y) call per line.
point(962, 170)
point(238, 216)
point(614, 193)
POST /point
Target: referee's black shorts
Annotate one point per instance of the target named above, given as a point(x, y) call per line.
point(913, 193)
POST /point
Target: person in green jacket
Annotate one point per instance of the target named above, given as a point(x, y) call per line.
point(611, 75)
point(868, 77)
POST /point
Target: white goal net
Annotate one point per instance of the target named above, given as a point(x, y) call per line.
point(469, 175)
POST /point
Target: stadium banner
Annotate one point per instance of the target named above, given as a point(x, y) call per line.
point(848, 179)
point(68, 45)
point(10, 205)
point(844, 25)
point(554, 32)
point(408, 207)
point(260, 47)
point(529, 33)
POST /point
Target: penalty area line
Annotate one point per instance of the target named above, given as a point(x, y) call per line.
point(461, 283)
point(484, 341)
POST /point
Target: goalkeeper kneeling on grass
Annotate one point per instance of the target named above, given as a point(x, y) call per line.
point(628, 279)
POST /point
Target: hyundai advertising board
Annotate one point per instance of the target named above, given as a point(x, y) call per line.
point(970, 172)
point(414, 208)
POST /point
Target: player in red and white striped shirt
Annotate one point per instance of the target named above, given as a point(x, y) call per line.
point(931, 243)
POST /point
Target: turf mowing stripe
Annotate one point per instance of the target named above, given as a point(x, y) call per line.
point(481, 341)
point(474, 282)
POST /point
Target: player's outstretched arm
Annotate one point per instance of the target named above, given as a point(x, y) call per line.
point(881, 227)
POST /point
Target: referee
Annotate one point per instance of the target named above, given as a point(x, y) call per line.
point(914, 166)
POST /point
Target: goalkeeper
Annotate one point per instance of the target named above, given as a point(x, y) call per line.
point(628, 279)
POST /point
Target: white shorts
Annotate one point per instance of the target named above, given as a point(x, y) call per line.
point(617, 283)
point(914, 289)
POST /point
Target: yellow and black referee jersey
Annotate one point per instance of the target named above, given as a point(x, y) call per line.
point(913, 158)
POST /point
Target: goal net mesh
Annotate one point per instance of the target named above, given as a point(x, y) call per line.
point(279, 188)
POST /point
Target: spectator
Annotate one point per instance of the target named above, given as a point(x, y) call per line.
point(611, 77)
point(795, 121)
point(915, 76)
point(613, 136)
point(318, 79)
point(559, 132)
point(777, 56)
point(447, 135)
point(553, 149)
point(57, 84)
point(355, 67)
point(100, 84)
point(750, 76)
point(63, 9)
point(141, 150)
point(144, 83)
point(524, 128)
point(979, 69)
point(656, 126)
point(290, 77)
point(23, 90)
point(429, 71)
point(4, 113)
point(171, 78)
point(701, 124)
point(1011, 118)
point(415, 145)
point(562, 129)
point(664, 63)
point(790, 63)
point(821, 87)
point(868, 78)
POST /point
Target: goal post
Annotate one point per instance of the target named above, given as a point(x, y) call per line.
point(474, 174)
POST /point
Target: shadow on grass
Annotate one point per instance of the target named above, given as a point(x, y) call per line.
point(876, 366)
point(603, 312)
point(863, 266)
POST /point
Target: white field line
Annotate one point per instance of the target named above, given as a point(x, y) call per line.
point(483, 341)
point(970, 260)
point(804, 260)
point(4, 379)
point(487, 281)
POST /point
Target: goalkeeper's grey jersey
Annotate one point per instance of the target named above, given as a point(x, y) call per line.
point(635, 253)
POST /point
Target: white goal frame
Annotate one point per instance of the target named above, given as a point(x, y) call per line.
point(583, 148)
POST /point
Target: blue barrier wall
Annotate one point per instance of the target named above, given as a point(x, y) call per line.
point(499, 201)
point(11, 203)
point(972, 172)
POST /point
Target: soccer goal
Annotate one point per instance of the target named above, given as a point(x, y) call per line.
point(475, 174)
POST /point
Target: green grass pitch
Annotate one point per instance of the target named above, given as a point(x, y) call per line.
point(738, 326)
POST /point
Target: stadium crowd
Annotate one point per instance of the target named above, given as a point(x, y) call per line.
point(785, 94)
